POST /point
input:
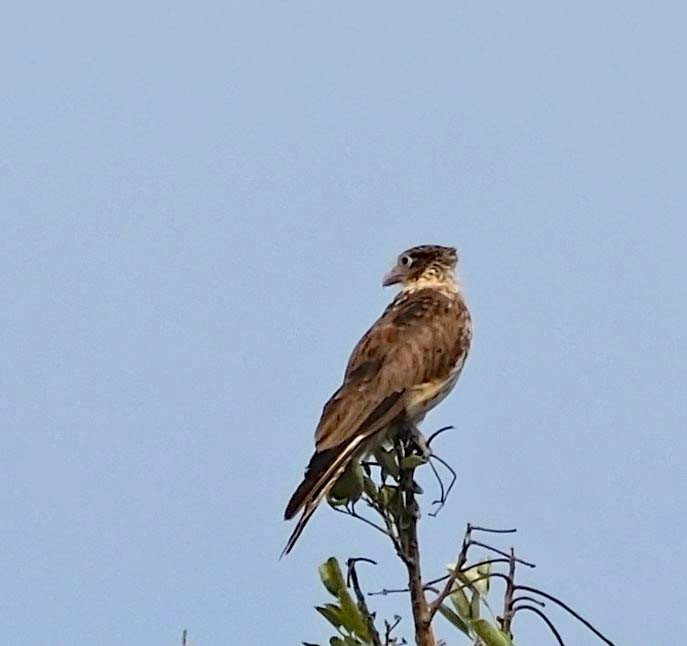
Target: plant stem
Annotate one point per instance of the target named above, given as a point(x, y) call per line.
point(368, 617)
point(409, 516)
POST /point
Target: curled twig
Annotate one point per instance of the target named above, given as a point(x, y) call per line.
point(568, 609)
point(351, 567)
point(352, 581)
point(444, 493)
point(524, 597)
point(546, 620)
point(443, 429)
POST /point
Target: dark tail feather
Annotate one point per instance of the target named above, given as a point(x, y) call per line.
point(318, 465)
point(322, 472)
point(300, 526)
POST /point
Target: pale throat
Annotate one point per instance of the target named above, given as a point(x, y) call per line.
point(444, 282)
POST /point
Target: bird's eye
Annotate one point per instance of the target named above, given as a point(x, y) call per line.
point(406, 260)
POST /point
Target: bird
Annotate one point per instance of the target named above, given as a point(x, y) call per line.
point(403, 366)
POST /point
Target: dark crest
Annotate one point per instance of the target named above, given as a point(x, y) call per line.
point(429, 253)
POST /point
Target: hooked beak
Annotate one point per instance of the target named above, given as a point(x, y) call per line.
point(394, 276)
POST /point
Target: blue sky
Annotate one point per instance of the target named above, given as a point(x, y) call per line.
point(198, 204)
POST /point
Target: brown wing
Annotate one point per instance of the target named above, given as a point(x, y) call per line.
point(418, 338)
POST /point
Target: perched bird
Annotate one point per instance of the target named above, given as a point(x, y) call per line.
point(404, 365)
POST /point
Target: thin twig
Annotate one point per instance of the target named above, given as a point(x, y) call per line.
point(184, 634)
point(508, 595)
point(439, 432)
point(568, 609)
point(352, 580)
point(444, 495)
point(384, 591)
point(502, 553)
point(524, 597)
point(460, 563)
point(489, 530)
point(389, 629)
point(442, 491)
point(355, 514)
point(546, 620)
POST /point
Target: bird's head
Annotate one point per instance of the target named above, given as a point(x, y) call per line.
point(425, 265)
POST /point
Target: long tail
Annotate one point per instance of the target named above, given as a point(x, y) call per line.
point(323, 471)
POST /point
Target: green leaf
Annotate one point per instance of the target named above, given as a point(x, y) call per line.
point(452, 617)
point(474, 605)
point(332, 614)
point(508, 638)
point(489, 634)
point(347, 614)
point(477, 577)
point(370, 488)
point(412, 461)
point(460, 602)
point(387, 460)
point(351, 617)
point(331, 576)
point(391, 499)
point(349, 486)
point(337, 641)
point(388, 495)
